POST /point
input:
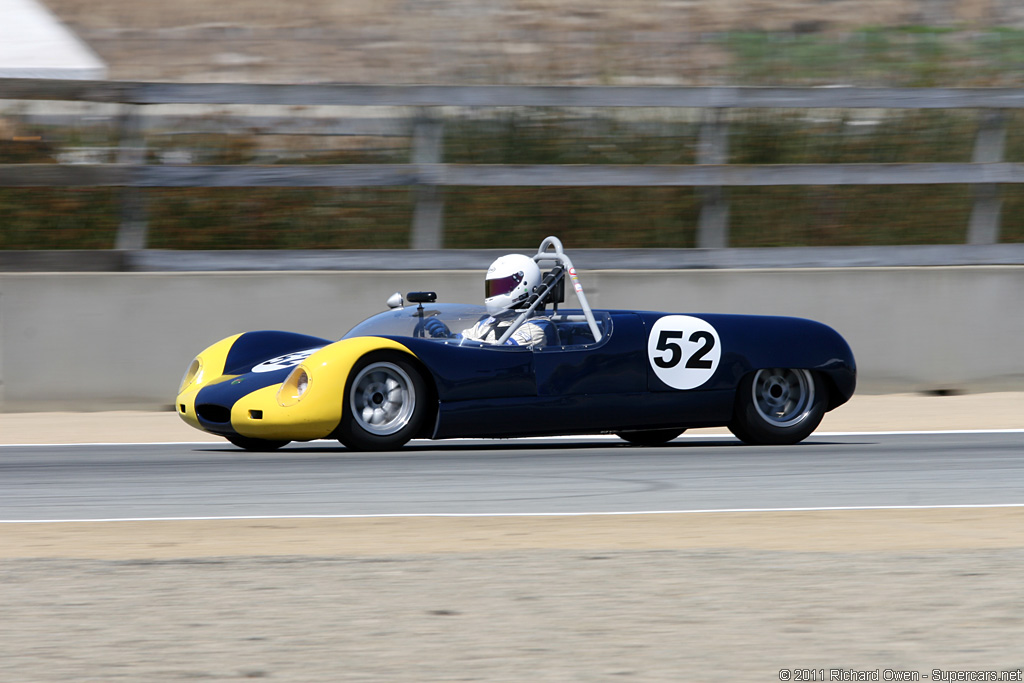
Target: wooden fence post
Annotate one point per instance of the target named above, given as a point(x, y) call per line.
point(713, 148)
point(428, 214)
point(132, 233)
point(988, 147)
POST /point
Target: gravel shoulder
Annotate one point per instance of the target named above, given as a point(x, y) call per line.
point(717, 597)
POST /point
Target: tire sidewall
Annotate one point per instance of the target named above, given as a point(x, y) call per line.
point(750, 427)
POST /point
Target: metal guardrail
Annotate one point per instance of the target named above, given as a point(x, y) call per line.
point(428, 173)
point(772, 258)
point(129, 92)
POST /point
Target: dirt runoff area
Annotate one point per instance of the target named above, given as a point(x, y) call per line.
point(571, 42)
point(817, 595)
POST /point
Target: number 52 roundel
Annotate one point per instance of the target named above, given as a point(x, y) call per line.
point(683, 351)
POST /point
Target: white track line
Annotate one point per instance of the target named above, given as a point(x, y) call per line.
point(493, 515)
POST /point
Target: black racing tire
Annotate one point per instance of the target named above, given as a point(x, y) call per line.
point(258, 445)
point(649, 437)
point(386, 401)
point(778, 406)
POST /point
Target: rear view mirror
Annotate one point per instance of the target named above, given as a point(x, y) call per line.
point(421, 297)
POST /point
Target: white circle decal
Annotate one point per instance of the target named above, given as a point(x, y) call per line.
point(289, 360)
point(683, 351)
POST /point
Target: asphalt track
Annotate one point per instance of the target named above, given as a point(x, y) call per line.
point(534, 477)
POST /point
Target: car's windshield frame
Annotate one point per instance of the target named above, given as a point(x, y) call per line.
point(459, 317)
point(411, 321)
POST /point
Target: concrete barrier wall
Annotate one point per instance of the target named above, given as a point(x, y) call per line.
point(98, 341)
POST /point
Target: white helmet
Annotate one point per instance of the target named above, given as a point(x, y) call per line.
point(510, 280)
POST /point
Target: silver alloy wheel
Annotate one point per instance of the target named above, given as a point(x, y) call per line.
point(383, 398)
point(783, 397)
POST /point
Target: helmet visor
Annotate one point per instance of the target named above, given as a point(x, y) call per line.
point(502, 285)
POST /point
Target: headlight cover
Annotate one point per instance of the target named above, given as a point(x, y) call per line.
point(195, 370)
point(294, 387)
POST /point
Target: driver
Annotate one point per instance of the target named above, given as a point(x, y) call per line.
point(510, 280)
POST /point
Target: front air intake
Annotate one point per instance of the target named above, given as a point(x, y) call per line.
point(213, 413)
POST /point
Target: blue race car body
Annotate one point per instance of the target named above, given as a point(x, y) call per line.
point(645, 376)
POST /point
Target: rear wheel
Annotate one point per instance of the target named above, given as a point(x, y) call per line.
point(778, 406)
point(385, 403)
point(251, 444)
point(650, 437)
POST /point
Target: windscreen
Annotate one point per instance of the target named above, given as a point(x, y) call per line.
point(408, 321)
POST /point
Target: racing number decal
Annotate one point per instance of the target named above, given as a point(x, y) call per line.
point(684, 351)
point(289, 360)
point(697, 361)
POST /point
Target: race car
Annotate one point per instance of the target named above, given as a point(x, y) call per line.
point(641, 375)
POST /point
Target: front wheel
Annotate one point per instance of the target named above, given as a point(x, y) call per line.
point(778, 406)
point(385, 403)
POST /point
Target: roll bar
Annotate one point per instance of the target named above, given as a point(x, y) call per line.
point(562, 266)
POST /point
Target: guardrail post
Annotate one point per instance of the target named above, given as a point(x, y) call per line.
point(988, 147)
point(713, 148)
point(132, 151)
point(428, 214)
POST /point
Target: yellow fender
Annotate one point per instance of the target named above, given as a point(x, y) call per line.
point(271, 413)
point(207, 368)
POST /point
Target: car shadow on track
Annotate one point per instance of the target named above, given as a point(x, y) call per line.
point(518, 445)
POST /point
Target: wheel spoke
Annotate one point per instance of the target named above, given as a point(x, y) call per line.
point(783, 397)
point(383, 398)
